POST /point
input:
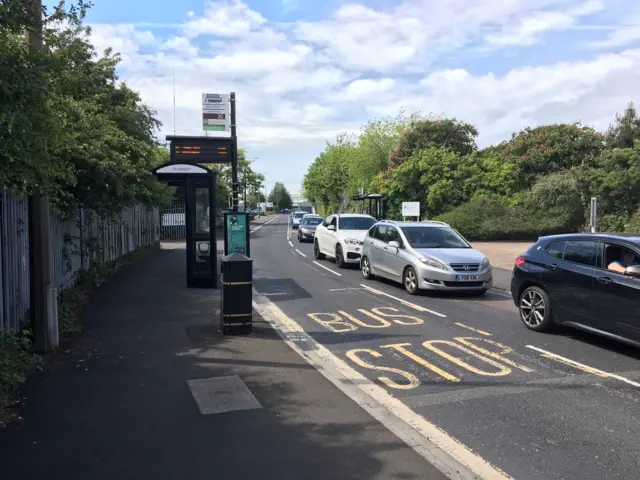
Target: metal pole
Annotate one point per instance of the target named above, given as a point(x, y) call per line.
point(245, 188)
point(234, 159)
point(44, 329)
point(594, 214)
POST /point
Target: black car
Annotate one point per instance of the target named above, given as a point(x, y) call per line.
point(308, 225)
point(567, 279)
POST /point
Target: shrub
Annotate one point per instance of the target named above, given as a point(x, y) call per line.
point(634, 224)
point(491, 219)
point(17, 359)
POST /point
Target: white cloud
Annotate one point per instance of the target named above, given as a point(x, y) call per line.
point(624, 35)
point(301, 84)
point(224, 19)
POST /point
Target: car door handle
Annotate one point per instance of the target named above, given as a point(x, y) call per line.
point(371, 242)
point(386, 248)
point(605, 280)
point(553, 266)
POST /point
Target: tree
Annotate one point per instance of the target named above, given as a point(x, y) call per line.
point(539, 181)
point(254, 180)
point(372, 149)
point(68, 128)
point(549, 149)
point(626, 130)
point(327, 179)
point(280, 197)
point(459, 137)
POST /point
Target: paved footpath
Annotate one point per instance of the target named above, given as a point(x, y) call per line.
point(150, 389)
point(502, 256)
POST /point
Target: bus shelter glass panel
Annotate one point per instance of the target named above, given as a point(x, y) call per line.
point(203, 245)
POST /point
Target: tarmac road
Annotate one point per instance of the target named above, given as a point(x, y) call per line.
point(536, 406)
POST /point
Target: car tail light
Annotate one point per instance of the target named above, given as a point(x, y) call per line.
point(519, 261)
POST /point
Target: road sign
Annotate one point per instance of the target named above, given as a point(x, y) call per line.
point(215, 112)
point(411, 209)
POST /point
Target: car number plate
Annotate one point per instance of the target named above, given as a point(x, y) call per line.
point(466, 278)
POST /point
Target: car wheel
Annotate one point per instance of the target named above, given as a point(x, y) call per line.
point(365, 268)
point(316, 251)
point(534, 306)
point(339, 257)
point(410, 281)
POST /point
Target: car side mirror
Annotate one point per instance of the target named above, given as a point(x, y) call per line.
point(395, 244)
point(331, 228)
point(632, 271)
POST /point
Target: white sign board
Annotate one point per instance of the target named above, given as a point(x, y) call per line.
point(270, 204)
point(411, 209)
point(216, 115)
point(182, 169)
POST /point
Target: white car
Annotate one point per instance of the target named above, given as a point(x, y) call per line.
point(341, 236)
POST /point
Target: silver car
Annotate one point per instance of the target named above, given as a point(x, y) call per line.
point(424, 256)
point(296, 218)
point(308, 226)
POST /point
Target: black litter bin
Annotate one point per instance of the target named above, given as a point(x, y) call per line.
point(236, 308)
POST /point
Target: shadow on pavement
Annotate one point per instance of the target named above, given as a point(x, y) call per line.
point(115, 404)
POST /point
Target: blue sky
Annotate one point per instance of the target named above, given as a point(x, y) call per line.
point(306, 70)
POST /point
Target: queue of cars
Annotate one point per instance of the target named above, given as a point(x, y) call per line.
point(419, 255)
point(587, 281)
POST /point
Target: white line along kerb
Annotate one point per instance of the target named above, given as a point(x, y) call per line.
point(260, 226)
point(451, 457)
point(300, 252)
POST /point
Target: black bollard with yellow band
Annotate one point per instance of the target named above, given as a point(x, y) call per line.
point(236, 297)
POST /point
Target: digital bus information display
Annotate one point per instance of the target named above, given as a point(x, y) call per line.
point(201, 150)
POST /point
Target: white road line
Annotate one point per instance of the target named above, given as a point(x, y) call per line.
point(290, 244)
point(299, 251)
point(501, 293)
point(260, 226)
point(582, 366)
point(477, 330)
point(344, 289)
point(454, 459)
point(404, 302)
point(322, 266)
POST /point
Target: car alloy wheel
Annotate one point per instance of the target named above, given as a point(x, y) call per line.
point(535, 309)
point(410, 281)
point(365, 268)
point(316, 251)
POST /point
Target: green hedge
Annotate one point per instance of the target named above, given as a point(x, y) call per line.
point(490, 219)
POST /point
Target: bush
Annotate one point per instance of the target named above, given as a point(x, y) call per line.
point(17, 359)
point(490, 219)
point(634, 224)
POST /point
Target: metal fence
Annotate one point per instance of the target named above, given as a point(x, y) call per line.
point(172, 223)
point(76, 244)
